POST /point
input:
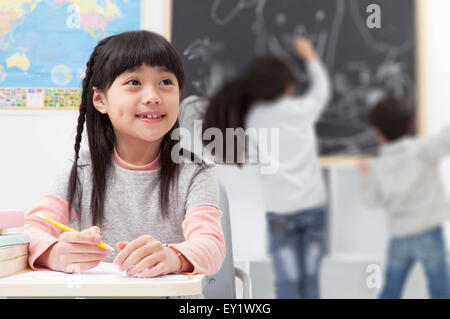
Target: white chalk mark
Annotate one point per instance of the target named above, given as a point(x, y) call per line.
point(280, 18)
point(241, 5)
point(203, 49)
point(334, 35)
point(320, 15)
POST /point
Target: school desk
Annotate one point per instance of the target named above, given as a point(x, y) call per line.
point(102, 281)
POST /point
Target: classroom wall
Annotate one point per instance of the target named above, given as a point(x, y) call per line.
point(34, 145)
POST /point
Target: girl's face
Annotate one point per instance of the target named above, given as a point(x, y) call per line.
point(142, 103)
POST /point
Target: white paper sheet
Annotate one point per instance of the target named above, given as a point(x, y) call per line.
point(103, 272)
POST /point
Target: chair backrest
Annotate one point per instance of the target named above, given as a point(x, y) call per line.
point(222, 285)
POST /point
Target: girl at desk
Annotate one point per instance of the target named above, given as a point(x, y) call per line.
point(160, 209)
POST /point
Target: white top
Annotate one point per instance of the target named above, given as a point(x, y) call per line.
point(405, 181)
point(293, 179)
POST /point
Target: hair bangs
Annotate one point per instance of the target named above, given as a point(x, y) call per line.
point(130, 50)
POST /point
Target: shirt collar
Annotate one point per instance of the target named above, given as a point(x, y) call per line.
point(395, 146)
point(153, 165)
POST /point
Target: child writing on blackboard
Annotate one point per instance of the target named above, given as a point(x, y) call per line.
point(294, 194)
point(405, 181)
point(161, 212)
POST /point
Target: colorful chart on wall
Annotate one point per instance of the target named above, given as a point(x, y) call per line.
point(45, 44)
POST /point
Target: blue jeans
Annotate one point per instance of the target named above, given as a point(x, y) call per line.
point(428, 248)
point(297, 244)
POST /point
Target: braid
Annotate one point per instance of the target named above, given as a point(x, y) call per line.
point(84, 100)
point(72, 186)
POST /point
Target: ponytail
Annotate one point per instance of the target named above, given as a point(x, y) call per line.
point(265, 80)
point(228, 108)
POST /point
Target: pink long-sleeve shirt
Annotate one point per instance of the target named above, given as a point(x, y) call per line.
point(199, 237)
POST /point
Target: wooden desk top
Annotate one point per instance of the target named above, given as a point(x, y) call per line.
point(81, 285)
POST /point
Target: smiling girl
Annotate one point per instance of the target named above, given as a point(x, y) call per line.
point(162, 213)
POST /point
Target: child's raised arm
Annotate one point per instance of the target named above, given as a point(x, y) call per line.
point(319, 91)
point(435, 148)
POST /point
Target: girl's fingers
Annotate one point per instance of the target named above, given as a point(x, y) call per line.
point(76, 248)
point(80, 238)
point(147, 262)
point(131, 247)
point(94, 230)
point(136, 256)
point(84, 258)
point(157, 270)
point(121, 245)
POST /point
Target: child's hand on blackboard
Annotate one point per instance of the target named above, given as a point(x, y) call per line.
point(304, 49)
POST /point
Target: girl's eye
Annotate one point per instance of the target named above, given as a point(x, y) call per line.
point(166, 82)
point(133, 82)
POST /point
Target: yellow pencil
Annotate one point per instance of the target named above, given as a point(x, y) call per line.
point(67, 228)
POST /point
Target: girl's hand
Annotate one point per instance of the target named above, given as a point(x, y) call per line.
point(146, 257)
point(75, 252)
point(364, 166)
point(304, 49)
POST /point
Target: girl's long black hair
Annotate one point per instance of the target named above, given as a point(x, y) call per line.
point(265, 79)
point(111, 57)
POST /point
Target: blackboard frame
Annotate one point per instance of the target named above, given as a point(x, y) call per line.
point(419, 69)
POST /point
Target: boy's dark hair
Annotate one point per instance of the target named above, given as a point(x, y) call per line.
point(111, 57)
point(392, 117)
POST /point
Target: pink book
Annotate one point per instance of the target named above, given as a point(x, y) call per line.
point(12, 266)
point(10, 252)
point(11, 218)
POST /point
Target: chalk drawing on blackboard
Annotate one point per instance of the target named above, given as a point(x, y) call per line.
point(209, 78)
point(378, 66)
point(334, 35)
point(203, 48)
point(394, 76)
point(389, 78)
point(240, 5)
point(380, 46)
point(320, 15)
point(351, 145)
point(280, 18)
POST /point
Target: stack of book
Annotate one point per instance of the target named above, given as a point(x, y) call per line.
point(13, 246)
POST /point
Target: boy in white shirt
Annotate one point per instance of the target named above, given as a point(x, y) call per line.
point(405, 181)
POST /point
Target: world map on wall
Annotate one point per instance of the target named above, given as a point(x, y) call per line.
point(45, 44)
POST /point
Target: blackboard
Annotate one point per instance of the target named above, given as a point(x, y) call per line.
point(217, 38)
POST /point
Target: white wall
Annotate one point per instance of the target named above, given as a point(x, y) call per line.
point(437, 71)
point(437, 64)
point(33, 144)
